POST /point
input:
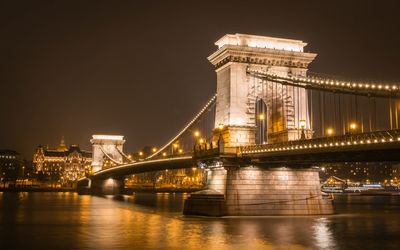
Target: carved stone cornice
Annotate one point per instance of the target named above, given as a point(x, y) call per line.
point(260, 56)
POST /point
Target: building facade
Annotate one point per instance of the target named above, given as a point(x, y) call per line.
point(62, 165)
point(10, 166)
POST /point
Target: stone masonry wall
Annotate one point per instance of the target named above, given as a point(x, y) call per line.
point(257, 191)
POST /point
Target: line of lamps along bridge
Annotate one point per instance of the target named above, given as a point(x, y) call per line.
point(176, 150)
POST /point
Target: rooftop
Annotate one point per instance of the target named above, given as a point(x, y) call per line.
point(261, 42)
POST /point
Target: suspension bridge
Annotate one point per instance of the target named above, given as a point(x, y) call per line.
point(270, 123)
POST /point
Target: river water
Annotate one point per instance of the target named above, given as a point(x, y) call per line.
point(154, 221)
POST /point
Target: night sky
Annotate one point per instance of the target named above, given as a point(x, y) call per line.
point(77, 68)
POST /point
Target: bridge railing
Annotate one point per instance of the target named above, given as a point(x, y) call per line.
point(389, 136)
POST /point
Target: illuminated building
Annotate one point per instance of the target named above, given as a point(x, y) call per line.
point(193, 178)
point(362, 172)
point(64, 164)
point(9, 165)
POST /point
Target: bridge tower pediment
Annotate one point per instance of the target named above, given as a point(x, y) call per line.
point(237, 90)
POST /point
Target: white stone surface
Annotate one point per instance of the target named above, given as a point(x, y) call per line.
point(112, 145)
point(237, 90)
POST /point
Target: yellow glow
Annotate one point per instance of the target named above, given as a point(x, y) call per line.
point(302, 123)
point(221, 126)
point(175, 145)
point(201, 140)
point(154, 150)
point(261, 117)
point(329, 131)
point(164, 154)
point(180, 151)
point(196, 133)
point(353, 126)
point(140, 153)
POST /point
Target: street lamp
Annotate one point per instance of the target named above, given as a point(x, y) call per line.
point(353, 127)
point(261, 117)
point(196, 133)
point(330, 131)
point(174, 147)
point(302, 124)
point(154, 149)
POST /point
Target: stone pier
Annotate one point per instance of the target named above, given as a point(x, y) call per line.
point(253, 191)
point(110, 186)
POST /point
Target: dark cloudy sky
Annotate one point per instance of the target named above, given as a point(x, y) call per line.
point(139, 68)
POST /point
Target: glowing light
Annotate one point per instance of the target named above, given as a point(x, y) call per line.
point(353, 126)
point(141, 153)
point(164, 154)
point(201, 140)
point(221, 126)
point(261, 117)
point(302, 123)
point(329, 131)
point(196, 134)
point(108, 137)
point(154, 150)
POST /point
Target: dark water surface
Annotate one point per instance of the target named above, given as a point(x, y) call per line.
point(154, 221)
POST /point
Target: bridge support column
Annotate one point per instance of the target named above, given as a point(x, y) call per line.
point(110, 186)
point(255, 191)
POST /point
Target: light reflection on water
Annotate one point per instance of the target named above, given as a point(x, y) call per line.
point(154, 221)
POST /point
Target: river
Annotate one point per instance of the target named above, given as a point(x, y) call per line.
point(154, 221)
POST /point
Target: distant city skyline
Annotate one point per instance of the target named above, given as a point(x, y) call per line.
point(76, 68)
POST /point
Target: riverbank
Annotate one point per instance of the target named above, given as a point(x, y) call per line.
point(35, 189)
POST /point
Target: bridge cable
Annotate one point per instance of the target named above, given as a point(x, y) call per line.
point(189, 125)
point(109, 157)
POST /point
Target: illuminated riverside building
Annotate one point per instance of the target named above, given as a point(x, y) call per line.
point(191, 178)
point(62, 165)
point(363, 172)
point(9, 165)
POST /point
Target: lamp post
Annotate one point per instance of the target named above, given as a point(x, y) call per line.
point(174, 147)
point(302, 124)
point(329, 131)
point(353, 127)
point(261, 117)
point(196, 135)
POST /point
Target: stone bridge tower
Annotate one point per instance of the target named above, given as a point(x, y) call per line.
point(106, 146)
point(238, 90)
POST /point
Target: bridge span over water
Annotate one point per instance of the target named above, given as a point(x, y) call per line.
point(271, 122)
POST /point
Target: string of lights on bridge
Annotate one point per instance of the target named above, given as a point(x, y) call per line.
point(392, 136)
point(210, 102)
point(381, 88)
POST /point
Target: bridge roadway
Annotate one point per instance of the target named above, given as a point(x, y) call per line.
point(185, 161)
point(363, 147)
